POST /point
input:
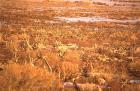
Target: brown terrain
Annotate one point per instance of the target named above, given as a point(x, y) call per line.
point(49, 45)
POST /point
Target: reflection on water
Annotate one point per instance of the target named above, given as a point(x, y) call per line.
point(94, 19)
point(111, 2)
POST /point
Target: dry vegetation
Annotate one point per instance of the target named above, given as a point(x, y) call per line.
point(26, 77)
point(39, 56)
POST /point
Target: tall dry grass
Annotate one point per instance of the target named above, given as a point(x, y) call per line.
point(17, 77)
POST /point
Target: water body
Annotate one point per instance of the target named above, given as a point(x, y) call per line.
point(108, 2)
point(111, 3)
point(94, 19)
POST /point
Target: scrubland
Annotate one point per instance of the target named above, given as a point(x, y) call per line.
point(38, 52)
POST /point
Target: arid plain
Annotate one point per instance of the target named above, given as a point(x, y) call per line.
point(69, 45)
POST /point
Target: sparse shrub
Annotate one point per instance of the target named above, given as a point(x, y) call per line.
point(89, 87)
point(5, 53)
point(17, 77)
point(134, 68)
point(72, 56)
point(131, 87)
point(1, 37)
point(69, 70)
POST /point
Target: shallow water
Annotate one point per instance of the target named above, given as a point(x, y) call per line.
point(134, 81)
point(94, 19)
point(110, 2)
